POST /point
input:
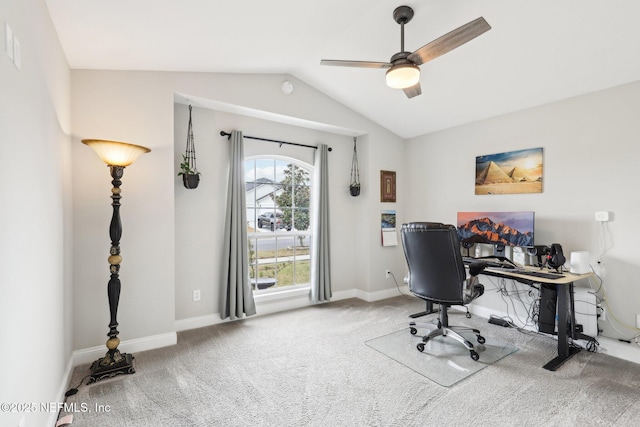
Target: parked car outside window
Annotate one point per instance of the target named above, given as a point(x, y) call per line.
point(271, 220)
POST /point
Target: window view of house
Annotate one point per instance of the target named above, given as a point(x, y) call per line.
point(278, 193)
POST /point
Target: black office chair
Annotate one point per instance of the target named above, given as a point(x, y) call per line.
point(437, 274)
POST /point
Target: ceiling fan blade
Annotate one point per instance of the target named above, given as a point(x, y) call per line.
point(412, 91)
point(450, 41)
point(359, 64)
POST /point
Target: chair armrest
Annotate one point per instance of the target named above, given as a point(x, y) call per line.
point(472, 287)
point(477, 267)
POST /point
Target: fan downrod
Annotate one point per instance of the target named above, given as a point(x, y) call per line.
point(402, 14)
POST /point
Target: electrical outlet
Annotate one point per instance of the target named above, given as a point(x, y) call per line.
point(638, 321)
point(196, 295)
point(387, 274)
point(602, 216)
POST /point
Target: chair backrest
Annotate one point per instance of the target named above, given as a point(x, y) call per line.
point(436, 270)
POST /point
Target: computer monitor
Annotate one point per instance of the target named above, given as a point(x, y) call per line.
point(497, 228)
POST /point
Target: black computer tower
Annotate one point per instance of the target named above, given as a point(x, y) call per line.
point(548, 303)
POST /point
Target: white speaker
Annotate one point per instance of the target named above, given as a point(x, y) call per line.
point(580, 262)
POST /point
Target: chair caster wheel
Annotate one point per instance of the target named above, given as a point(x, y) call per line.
point(413, 330)
point(481, 339)
point(420, 347)
point(474, 355)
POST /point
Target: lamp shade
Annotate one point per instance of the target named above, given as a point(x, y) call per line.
point(402, 76)
point(115, 153)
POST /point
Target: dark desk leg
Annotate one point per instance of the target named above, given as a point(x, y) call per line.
point(566, 327)
point(429, 310)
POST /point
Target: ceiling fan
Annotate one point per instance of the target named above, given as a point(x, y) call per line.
point(403, 71)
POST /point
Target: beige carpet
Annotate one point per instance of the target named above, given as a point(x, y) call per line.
point(311, 367)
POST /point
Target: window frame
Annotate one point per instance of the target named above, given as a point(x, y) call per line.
point(276, 233)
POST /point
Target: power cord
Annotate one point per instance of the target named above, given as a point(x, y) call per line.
point(398, 286)
point(74, 390)
point(71, 392)
point(505, 321)
point(592, 345)
point(515, 295)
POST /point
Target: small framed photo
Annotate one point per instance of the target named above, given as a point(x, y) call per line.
point(387, 186)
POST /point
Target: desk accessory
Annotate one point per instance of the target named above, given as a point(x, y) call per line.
point(556, 258)
point(580, 262)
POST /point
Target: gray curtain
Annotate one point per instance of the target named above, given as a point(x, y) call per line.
point(236, 296)
point(320, 259)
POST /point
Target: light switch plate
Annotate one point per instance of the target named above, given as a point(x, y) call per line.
point(17, 53)
point(8, 40)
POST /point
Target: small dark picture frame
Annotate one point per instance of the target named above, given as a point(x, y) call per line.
point(387, 186)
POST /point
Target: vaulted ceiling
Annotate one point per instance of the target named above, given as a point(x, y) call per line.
point(536, 52)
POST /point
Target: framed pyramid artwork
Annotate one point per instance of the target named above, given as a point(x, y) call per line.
point(514, 172)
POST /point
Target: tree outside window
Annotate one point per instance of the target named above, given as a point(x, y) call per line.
point(295, 198)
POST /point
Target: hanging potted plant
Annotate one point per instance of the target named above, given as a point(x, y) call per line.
point(188, 168)
point(354, 187)
point(190, 177)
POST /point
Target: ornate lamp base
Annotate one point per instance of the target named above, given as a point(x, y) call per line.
point(101, 370)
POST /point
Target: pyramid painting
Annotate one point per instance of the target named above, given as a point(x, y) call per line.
point(515, 172)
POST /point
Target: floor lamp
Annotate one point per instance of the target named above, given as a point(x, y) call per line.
point(117, 155)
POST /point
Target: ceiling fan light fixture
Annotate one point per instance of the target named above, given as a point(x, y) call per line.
point(402, 76)
point(402, 69)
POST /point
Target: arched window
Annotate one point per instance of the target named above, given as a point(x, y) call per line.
point(278, 191)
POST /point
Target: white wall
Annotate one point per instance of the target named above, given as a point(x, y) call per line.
point(200, 212)
point(591, 154)
point(35, 261)
point(157, 273)
point(110, 106)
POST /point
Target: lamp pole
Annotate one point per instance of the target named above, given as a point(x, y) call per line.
point(114, 362)
point(117, 155)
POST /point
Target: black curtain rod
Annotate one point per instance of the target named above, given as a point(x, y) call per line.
point(228, 135)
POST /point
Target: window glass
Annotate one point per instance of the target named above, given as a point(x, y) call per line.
point(278, 195)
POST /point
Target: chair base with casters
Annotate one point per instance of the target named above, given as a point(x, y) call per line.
point(443, 329)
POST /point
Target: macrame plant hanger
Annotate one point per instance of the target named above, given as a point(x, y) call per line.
point(354, 187)
point(188, 168)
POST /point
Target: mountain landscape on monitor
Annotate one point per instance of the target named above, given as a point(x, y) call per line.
point(484, 230)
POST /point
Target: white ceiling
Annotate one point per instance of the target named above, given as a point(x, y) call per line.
point(536, 52)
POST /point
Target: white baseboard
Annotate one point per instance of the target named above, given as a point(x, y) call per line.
point(272, 303)
point(377, 295)
point(608, 346)
point(64, 386)
point(340, 295)
point(88, 355)
point(198, 322)
point(265, 304)
point(621, 350)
